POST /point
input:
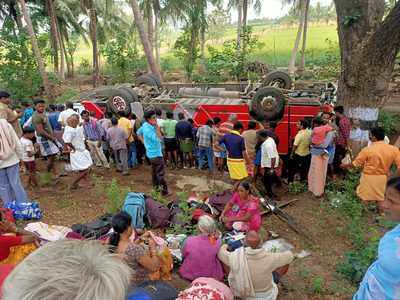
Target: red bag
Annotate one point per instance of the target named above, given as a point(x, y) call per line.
point(219, 200)
point(157, 214)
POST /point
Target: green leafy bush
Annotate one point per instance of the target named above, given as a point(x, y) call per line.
point(184, 217)
point(297, 187)
point(122, 60)
point(115, 197)
point(389, 121)
point(19, 74)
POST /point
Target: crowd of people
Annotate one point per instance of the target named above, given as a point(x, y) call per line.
point(128, 260)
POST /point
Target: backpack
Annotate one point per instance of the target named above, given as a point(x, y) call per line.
point(157, 213)
point(94, 229)
point(135, 206)
point(219, 200)
point(154, 290)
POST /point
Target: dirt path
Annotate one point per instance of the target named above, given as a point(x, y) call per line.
point(313, 277)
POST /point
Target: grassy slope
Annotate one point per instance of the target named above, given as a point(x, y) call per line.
point(276, 49)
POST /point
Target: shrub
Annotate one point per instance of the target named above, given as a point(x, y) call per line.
point(389, 121)
point(115, 197)
point(297, 187)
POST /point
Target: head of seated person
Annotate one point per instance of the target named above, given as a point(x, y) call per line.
point(69, 269)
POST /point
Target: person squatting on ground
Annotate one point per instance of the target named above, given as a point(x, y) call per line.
point(11, 188)
point(251, 268)
point(243, 211)
point(150, 135)
point(200, 252)
point(94, 135)
point(142, 261)
point(79, 156)
point(28, 155)
point(69, 269)
point(118, 139)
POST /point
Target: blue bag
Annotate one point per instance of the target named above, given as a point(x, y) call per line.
point(135, 206)
point(25, 210)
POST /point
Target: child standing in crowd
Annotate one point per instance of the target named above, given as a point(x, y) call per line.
point(118, 139)
point(28, 155)
point(319, 133)
point(80, 158)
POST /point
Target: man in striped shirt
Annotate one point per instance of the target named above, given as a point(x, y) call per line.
point(94, 134)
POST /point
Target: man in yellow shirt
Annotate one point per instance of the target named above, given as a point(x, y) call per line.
point(125, 124)
point(301, 156)
point(375, 161)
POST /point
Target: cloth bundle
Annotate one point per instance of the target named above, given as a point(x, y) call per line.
point(47, 232)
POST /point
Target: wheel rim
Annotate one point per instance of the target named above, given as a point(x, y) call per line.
point(278, 83)
point(119, 103)
point(267, 103)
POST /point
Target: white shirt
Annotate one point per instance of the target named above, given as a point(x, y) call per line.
point(27, 146)
point(64, 115)
point(75, 136)
point(268, 152)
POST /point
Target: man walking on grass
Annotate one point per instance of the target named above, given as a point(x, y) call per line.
point(150, 134)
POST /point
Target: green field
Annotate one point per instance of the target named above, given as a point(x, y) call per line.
point(277, 43)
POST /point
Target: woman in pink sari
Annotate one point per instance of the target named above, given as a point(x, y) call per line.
point(242, 212)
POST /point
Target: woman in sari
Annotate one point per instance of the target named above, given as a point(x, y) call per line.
point(15, 244)
point(242, 212)
point(319, 163)
point(382, 279)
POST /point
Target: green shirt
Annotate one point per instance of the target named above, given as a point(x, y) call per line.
point(41, 119)
point(168, 127)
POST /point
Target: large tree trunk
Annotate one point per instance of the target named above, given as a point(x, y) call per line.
point(36, 51)
point(202, 47)
point(66, 57)
point(157, 39)
point(62, 53)
point(150, 24)
point(93, 36)
point(53, 35)
point(240, 24)
point(245, 9)
point(292, 62)
point(144, 38)
point(368, 49)
point(303, 48)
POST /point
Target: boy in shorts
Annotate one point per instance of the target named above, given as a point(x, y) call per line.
point(28, 155)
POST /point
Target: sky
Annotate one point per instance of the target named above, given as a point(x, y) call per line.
point(273, 9)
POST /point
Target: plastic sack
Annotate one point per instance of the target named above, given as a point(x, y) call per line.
point(25, 210)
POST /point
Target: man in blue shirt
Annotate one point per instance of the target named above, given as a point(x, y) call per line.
point(150, 135)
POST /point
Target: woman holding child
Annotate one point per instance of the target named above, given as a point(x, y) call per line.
point(321, 138)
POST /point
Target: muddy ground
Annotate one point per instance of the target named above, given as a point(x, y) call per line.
point(313, 277)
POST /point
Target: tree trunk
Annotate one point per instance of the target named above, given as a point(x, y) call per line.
point(53, 35)
point(36, 51)
point(157, 39)
point(303, 48)
point(368, 49)
point(239, 25)
point(245, 9)
point(292, 62)
point(203, 46)
point(62, 53)
point(67, 60)
point(144, 38)
point(93, 36)
point(150, 25)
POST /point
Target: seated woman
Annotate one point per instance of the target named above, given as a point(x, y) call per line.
point(200, 252)
point(382, 279)
point(143, 261)
point(242, 212)
point(15, 244)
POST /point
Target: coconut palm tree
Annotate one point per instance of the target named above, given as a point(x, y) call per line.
point(36, 51)
point(144, 38)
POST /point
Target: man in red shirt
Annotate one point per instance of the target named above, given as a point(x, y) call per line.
point(342, 139)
